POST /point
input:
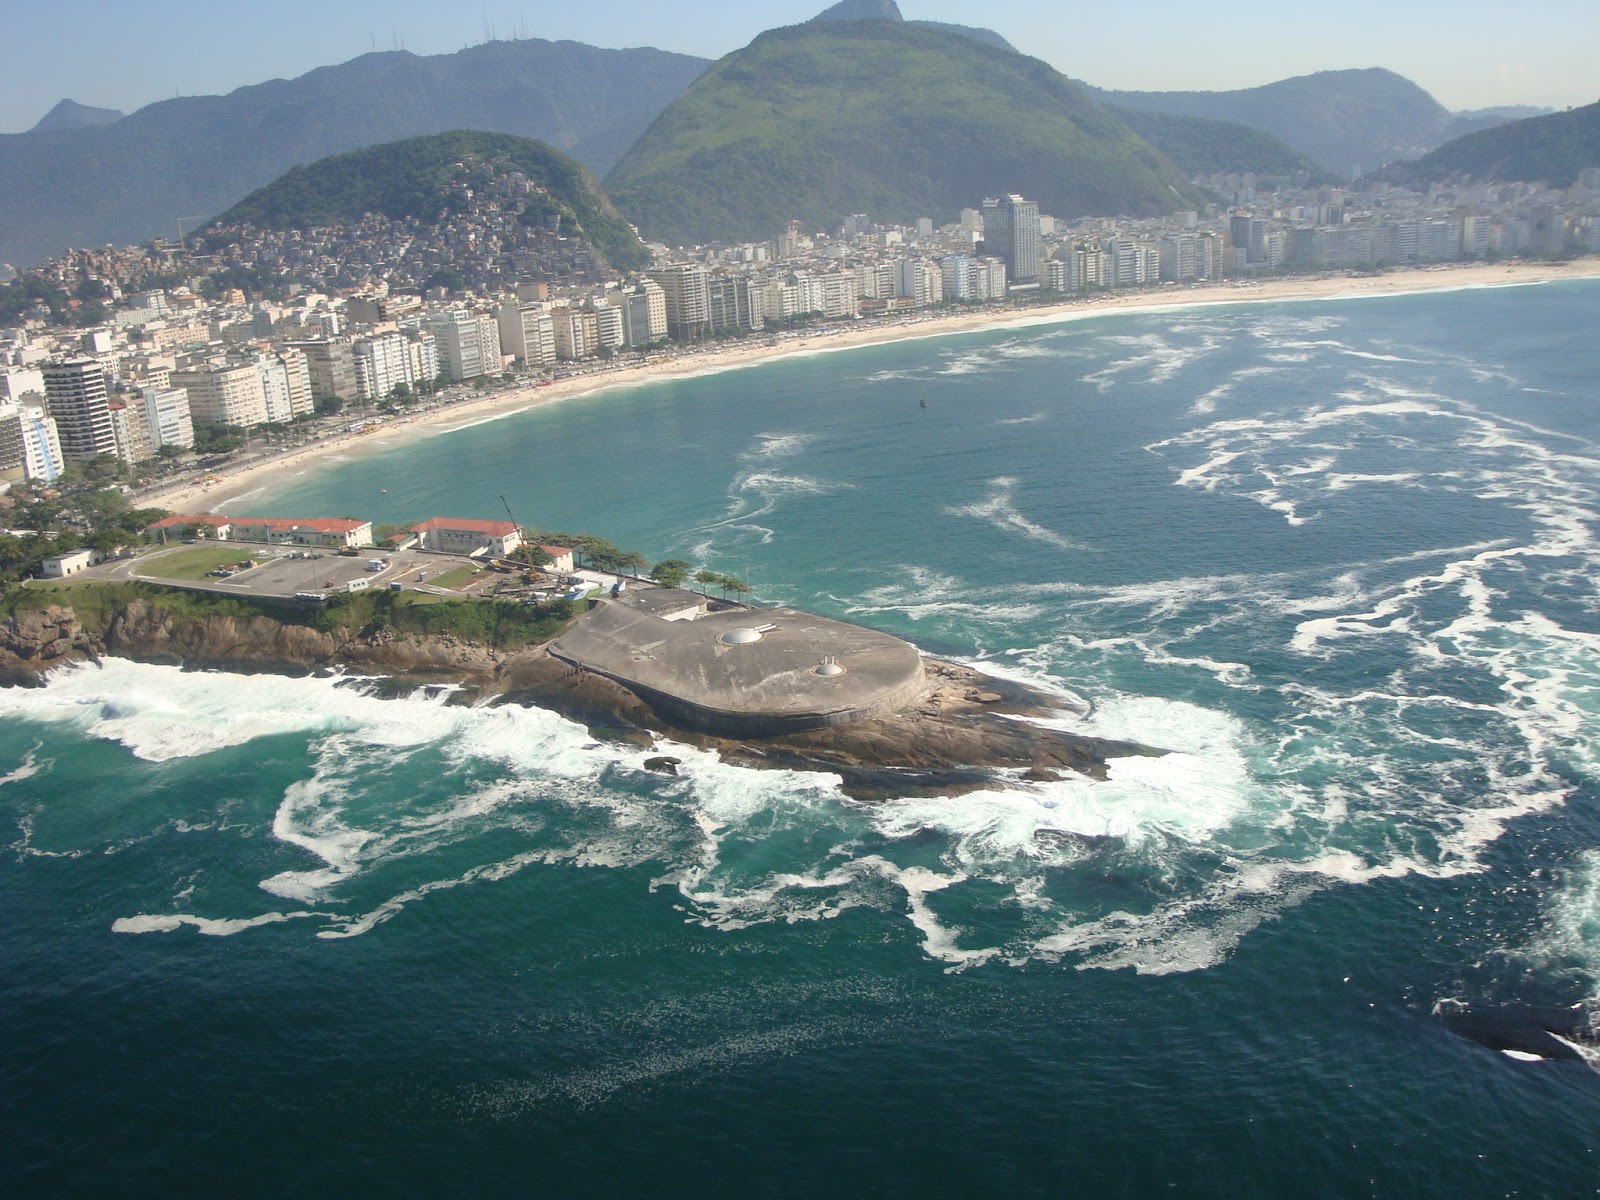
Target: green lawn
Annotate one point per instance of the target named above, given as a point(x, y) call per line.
point(194, 562)
point(456, 576)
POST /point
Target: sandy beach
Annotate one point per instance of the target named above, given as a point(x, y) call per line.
point(242, 480)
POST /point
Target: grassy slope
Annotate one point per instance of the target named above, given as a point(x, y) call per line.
point(411, 178)
point(489, 623)
point(815, 122)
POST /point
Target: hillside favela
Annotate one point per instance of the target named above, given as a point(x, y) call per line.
point(827, 603)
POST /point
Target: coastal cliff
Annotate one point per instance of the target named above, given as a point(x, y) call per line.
point(964, 731)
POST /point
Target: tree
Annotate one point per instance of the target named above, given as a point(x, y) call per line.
point(732, 583)
point(532, 554)
point(707, 579)
point(401, 392)
point(328, 406)
point(670, 573)
point(102, 509)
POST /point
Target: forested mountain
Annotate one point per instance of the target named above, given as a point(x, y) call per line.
point(1202, 147)
point(1550, 149)
point(193, 157)
point(421, 178)
point(818, 121)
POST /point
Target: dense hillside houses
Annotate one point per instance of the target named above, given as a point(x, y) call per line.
point(275, 327)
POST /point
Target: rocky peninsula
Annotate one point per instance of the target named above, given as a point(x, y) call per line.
point(957, 730)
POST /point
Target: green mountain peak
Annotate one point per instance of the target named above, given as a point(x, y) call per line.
point(817, 121)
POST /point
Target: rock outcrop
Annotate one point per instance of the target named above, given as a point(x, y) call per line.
point(965, 731)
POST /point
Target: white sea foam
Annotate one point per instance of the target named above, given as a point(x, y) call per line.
point(1569, 941)
point(780, 445)
point(999, 509)
point(1156, 359)
point(210, 926)
point(29, 767)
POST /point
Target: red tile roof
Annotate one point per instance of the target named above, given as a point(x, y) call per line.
point(491, 528)
point(318, 524)
point(210, 519)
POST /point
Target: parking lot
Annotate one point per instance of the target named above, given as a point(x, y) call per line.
point(284, 571)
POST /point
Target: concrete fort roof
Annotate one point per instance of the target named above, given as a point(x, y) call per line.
point(695, 674)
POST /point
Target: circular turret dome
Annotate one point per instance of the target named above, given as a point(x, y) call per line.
point(742, 636)
point(829, 669)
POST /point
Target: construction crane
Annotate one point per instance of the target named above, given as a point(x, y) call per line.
point(522, 566)
point(509, 517)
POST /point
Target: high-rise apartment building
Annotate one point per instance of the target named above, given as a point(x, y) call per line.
point(577, 332)
point(455, 333)
point(29, 446)
point(76, 398)
point(224, 395)
point(918, 280)
point(166, 415)
point(129, 430)
point(298, 376)
point(489, 352)
point(1249, 234)
point(527, 334)
point(608, 324)
point(383, 363)
point(330, 366)
point(736, 303)
point(1011, 233)
point(686, 289)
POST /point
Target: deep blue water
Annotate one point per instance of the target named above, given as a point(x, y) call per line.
point(261, 935)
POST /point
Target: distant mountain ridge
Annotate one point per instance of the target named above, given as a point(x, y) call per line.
point(1341, 120)
point(814, 122)
point(69, 114)
point(193, 157)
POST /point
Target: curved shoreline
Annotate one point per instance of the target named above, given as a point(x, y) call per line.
point(250, 477)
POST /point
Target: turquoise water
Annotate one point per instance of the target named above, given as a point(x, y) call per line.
point(263, 934)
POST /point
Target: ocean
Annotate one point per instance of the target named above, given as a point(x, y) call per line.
point(265, 935)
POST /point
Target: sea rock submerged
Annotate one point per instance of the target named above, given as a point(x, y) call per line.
point(962, 731)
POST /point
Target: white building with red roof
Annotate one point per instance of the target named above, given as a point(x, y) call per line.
point(204, 524)
point(461, 535)
point(337, 532)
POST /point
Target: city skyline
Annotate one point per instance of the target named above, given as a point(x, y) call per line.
point(133, 56)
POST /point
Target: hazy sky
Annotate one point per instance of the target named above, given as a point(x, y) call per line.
point(1468, 54)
